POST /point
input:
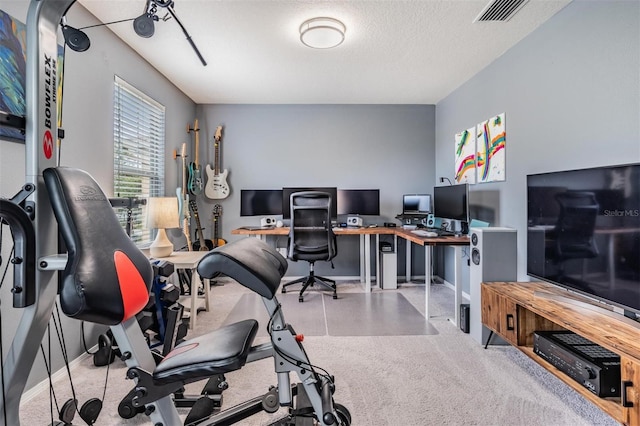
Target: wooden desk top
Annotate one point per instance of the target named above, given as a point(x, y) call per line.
point(378, 230)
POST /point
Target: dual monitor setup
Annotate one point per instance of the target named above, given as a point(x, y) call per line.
point(274, 202)
point(447, 202)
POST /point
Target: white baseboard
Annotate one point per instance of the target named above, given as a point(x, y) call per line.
point(43, 386)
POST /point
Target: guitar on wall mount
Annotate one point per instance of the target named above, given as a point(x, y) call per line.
point(216, 187)
point(195, 174)
point(217, 212)
point(183, 198)
point(201, 244)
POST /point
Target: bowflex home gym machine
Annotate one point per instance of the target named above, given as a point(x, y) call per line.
point(106, 278)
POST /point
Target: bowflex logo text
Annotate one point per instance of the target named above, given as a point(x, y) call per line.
point(88, 193)
point(50, 76)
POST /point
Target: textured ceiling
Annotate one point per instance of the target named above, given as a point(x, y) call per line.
point(395, 52)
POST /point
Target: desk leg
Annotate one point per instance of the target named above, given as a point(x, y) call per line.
point(362, 261)
point(427, 278)
point(367, 263)
point(376, 261)
point(457, 274)
point(408, 260)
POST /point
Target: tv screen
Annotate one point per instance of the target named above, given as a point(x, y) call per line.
point(260, 202)
point(451, 202)
point(359, 201)
point(286, 195)
point(416, 204)
point(583, 232)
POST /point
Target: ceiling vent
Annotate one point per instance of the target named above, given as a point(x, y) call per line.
point(500, 10)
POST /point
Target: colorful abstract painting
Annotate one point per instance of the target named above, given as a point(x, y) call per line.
point(465, 163)
point(13, 68)
point(490, 151)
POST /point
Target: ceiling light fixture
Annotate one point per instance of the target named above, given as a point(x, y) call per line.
point(322, 33)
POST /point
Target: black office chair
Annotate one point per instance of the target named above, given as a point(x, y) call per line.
point(575, 227)
point(311, 237)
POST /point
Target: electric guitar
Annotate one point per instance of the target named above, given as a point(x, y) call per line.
point(201, 244)
point(183, 198)
point(216, 187)
point(217, 212)
point(195, 178)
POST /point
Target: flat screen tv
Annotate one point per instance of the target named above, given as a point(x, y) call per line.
point(260, 202)
point(359, 202)
point(451, 202)
point(418, 204)
point(583, 232)
point(287, 191)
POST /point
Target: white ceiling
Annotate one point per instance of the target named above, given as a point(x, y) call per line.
point(395, 51)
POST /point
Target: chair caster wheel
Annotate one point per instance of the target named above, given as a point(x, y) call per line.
point(335, 296)
point(300, 299)
point(283, 291)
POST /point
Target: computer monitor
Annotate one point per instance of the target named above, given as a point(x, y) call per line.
point(359, 202)
point(416, 204)
point(286, 196)
point(260, 202)
point(451, 202)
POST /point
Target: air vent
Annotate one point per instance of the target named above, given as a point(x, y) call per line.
point(500, 10)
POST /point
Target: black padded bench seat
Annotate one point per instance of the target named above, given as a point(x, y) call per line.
point(218, 352)
point(251, 262)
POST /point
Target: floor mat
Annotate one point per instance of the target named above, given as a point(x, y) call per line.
point(352, 314)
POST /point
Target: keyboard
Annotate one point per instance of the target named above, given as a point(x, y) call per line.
point(424, 233)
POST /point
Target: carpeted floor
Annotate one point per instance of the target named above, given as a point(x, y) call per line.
point(441, 378)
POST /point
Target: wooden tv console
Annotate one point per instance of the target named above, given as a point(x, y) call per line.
point(514, 310)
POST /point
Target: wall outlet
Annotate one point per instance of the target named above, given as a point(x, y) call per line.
point(282, 251)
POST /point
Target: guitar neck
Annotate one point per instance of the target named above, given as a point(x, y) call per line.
point(184, 171)
point(196, 129)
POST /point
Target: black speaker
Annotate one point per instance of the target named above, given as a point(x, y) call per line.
point(464, 317)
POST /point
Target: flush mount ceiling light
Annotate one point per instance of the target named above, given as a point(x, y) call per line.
point(322, 33)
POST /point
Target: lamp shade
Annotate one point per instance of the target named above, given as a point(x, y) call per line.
point(322, 33)
point(162, 212)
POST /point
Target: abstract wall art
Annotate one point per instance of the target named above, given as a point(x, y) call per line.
point(490, 150)
point(465, 164)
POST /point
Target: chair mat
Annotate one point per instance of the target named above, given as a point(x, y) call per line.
point(352, 314)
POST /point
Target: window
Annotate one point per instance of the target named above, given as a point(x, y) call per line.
point(138, 161)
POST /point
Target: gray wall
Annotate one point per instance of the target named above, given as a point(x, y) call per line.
point(390, 147)
point(88, 122)
point(571, 94)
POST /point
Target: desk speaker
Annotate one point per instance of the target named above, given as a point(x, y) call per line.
point(354, 221)
point(268, 221)
point(433, 222)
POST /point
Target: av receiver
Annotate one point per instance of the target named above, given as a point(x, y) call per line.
point(596, 368)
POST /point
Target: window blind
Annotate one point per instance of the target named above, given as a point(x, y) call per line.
point(138, 161)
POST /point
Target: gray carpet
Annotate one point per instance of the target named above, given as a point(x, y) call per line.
point(437, 379)
point(352, 314)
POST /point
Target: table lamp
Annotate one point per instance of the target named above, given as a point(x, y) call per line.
point(162, 213)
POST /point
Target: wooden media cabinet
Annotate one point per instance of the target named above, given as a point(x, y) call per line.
point(515, 310)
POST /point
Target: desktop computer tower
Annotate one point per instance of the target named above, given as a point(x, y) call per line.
point(493, 258)
point(464, 317)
